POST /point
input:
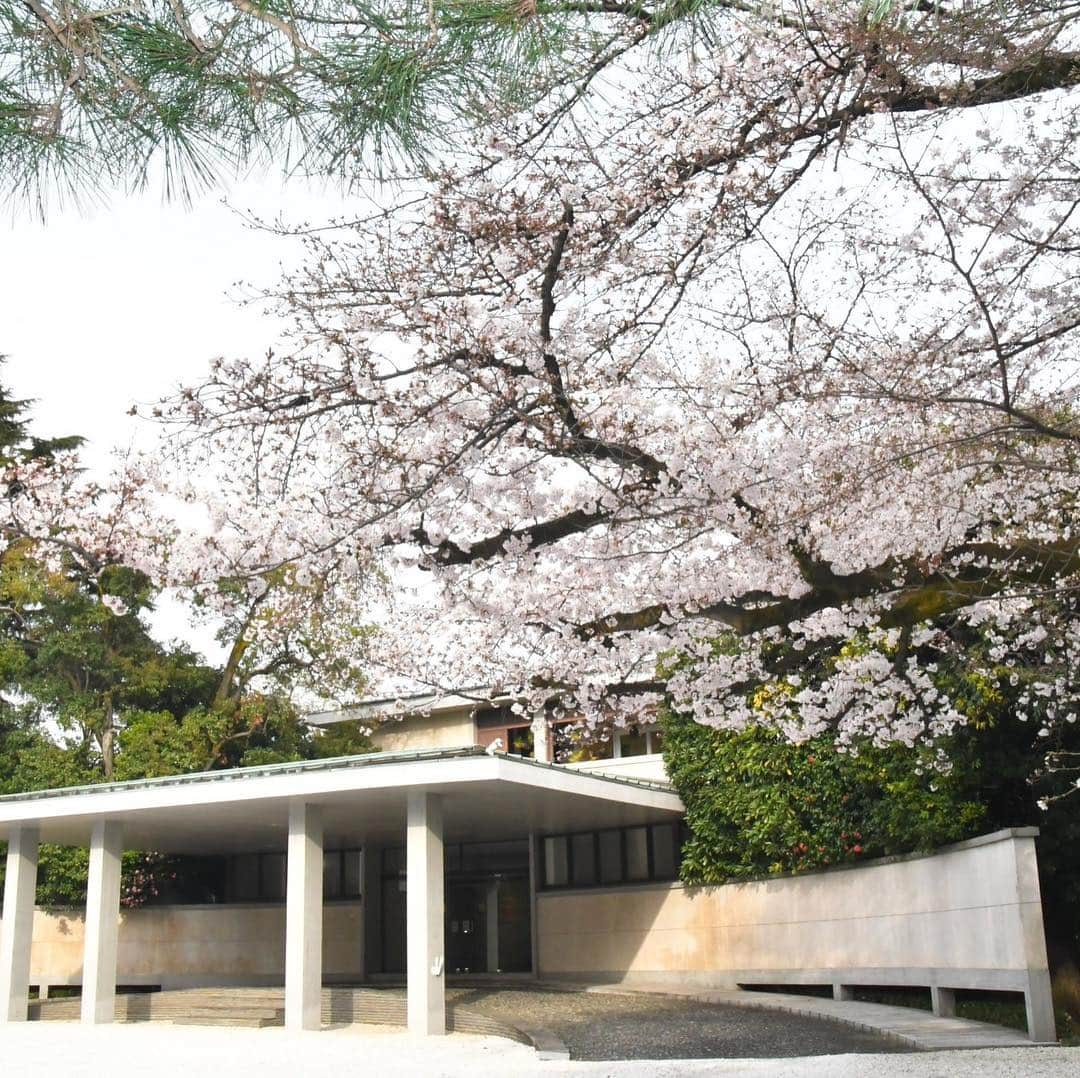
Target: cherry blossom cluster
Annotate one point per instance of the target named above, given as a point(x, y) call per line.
point(769, 339)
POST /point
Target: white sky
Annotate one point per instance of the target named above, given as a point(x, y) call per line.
point(108, 306)
point(117, 304)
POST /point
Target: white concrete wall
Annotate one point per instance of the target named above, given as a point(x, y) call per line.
point(968, 916)
point(440, 731)
point(627, 767)
point(197, 945)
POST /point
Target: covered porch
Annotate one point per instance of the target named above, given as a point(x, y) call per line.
point(406, 811)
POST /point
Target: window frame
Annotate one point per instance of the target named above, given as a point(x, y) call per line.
point(568, 837)
point(264, 877)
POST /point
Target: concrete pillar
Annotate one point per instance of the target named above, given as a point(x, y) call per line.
point(424, 948)
point(1038, 999)
point(102, 923)
point(303, 918)
point(1039, 1004)
point(18, 927)
point(842, 992)
point(541, 731)
point(943, 1002)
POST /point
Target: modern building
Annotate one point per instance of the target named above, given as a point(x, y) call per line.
point(477, 842)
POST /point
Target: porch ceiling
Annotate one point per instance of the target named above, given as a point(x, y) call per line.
point(363, 799)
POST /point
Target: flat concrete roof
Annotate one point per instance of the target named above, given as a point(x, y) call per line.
point(363, 798)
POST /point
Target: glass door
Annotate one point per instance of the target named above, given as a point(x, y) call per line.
point(466, 928)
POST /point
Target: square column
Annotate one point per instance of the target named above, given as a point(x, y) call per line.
point(18, 927)
point(303, 918)
point(425, 930)
point(102, 923)
point(541, 731)
point(943, 1002)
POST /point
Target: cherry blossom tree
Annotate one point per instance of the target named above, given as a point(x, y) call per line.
point(288, 630)
point(746, 359)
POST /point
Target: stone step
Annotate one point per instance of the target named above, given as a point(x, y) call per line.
point(239, 1012)
point(232, 1021)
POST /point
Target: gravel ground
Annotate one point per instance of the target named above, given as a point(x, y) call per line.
point(31, 1050)
point(598, 1027)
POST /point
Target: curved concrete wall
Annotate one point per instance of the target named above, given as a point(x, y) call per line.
point(967, 916)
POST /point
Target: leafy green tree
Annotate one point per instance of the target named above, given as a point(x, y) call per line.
point(78, 646)
point(286, 635)
point(259, 729)
point(756, 803)
point(17, 442)
point(96, 91)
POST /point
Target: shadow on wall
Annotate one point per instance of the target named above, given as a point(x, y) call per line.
point(967, 916)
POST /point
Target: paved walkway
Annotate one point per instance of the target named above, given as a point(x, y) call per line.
point(32, 1049)
point(906, 1025)
point(617, 1026)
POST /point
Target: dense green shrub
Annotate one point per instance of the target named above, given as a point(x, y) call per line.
point(757, 804)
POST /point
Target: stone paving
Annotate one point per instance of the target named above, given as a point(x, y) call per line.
point(32, 1049)
point(914, 1028)
point(617, 1026)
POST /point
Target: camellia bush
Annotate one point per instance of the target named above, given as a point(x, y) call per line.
point(757, 804)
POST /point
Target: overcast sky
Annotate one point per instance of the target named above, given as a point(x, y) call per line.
point(113, 305)
point(108, 306)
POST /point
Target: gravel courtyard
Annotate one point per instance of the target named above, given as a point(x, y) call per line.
point(595, 1026)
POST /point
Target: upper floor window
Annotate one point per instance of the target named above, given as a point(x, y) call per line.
point(504, 724)
point(572, 742)
point(638, 741)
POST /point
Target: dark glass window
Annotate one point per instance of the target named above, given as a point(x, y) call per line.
point(331, 874)
point(519, 741)
point(244, 878)
point(352, 873)
point(610, 856)
point(507, 856)
point(556, 862)
point(572, 743)
point(272, 877)
point(637, 853)
point(488, 718)
point(583, 859)
point(633, 743)
point(664, 849)
point(262, 877)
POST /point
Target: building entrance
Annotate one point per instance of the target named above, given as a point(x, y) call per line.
point(466, 928)
point(488, 927)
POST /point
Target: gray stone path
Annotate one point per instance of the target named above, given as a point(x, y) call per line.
point(914, 1028)
point(609, 1026)
point(33, 1050)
